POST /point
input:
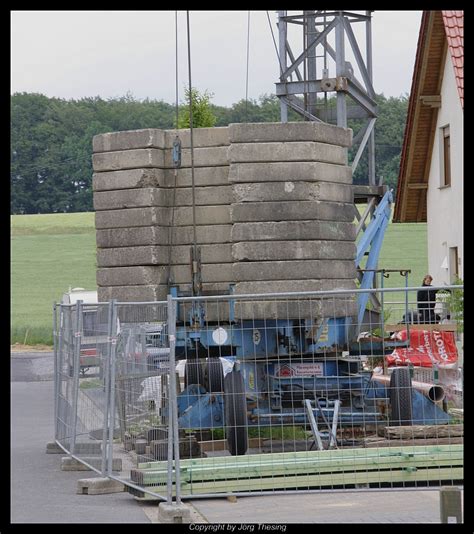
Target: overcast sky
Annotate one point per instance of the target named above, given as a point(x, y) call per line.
point(75, 54)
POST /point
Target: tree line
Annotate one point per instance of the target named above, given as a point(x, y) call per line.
point(51, 140)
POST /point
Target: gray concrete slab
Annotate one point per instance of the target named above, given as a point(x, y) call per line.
point(272, 191)
point(295, 151)
point(128, 179)
point(159, 235)
point(128, 159)
point(132, 198)
point(202, 137)
point(305, 171)
point(301, 230)
point(290, 131)
point(292, 211)
point(291, 270)
point(293, 250)
point(160, 255)
point(158, 274)
point(203, 176)
point(132, 217)
point(203, 157)
point(127, 140)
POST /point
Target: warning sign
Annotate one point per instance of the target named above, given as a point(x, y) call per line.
point(296, 370)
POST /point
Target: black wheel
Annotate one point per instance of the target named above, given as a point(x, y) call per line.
point(214, 376)
point(193, 373)
point(401, 397)
point(235, 408)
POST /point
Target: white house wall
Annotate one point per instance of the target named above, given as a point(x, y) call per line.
point(445, 205)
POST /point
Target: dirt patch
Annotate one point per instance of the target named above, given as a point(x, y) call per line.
point(18, 347)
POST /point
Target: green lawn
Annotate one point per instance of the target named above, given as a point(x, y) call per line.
point(50, 253)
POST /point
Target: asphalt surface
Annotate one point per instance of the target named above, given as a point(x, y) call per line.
point(42, 493)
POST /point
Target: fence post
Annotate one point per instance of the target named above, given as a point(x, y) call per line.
point(56, 370)
point(111, 410)
point(173, 432)
point(76, 370)
point(450, 505)
point(107, 390)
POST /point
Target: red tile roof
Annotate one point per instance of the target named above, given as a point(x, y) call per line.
point(454, 27)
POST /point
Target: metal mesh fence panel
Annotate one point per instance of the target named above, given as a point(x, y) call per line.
point(255, 394)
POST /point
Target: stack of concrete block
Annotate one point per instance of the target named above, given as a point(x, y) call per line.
point(144, 214)
point(273, 210)
point(292, 215)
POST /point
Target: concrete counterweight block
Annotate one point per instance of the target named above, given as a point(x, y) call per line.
point(162, 255)
point(293, 250)
point(162, 235)
point(295, 171)
point(296, 151)
point(128, 159)
point(290, 131)
point(292, 190)
point(299, 230)
point(158, 274)
point(292, 211)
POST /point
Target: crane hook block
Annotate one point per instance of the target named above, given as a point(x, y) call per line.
point(177, 152)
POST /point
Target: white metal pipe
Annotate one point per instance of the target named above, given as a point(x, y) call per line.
point(434, 392)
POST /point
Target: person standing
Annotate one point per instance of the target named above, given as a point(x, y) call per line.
point(426, 299)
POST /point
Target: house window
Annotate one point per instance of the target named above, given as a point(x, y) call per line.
point(446, 157)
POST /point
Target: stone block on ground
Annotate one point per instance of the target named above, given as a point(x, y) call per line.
point(71, 464)
point(295, 151)
point(174, 513)
point(99, 486)
point(291, 211)
point(304, 171)
point(290, 131)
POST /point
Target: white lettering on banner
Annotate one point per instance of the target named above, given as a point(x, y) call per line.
point(440, 343)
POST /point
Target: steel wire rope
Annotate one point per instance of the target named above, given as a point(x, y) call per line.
point(191, 136)
point(173, 204)
point(247, 72)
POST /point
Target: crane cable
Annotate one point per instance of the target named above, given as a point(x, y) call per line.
point(247, 75)
point(195, 259)
point(176, 161)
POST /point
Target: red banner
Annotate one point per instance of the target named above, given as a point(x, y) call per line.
point(427, 349)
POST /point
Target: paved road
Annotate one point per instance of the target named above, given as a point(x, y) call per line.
point(42, 493)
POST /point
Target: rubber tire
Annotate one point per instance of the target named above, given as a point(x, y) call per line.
point(193, 373)
point(401, 397)
point(235, 409)
point(214, 376)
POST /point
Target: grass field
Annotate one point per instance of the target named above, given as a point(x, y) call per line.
point(50, 253)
